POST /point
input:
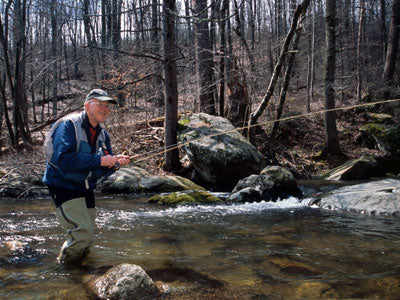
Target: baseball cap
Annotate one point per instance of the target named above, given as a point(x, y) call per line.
point(101, 95)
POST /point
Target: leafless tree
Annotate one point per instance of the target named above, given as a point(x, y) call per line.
point(331, 134)
point(170, 86)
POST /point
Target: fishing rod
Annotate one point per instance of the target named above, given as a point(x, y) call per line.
point(158, 152)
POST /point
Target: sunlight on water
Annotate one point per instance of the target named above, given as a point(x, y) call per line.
point(222, 209)
point(282, 249)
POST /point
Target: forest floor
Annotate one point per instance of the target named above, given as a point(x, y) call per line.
point(134, 133)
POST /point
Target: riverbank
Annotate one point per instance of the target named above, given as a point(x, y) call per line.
point(295, 147)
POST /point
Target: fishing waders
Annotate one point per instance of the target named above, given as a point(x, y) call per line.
point(78, 221)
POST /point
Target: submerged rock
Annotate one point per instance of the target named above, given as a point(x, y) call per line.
point(187, 284)
point(315, 290)
point(294, 267)
point(125, 281)
point(219, 154)
point(378, 197)
point(16, 252)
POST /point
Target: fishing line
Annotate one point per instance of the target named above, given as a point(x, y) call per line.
point(179, 145)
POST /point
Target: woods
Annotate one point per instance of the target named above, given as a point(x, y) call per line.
point(237, 59)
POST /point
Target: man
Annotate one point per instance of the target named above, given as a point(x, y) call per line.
point(80, 155)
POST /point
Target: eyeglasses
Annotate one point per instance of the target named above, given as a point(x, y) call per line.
point(102, 105)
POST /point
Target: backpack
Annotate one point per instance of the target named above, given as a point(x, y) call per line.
point(76, 119)
point(48, 147)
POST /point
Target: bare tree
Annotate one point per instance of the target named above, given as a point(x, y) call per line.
point(359, 56)
point(54, 50)
point(311, 59)
point(204, 58)
point(393, 44)
point(331, 134)
point(15, 73)
point(223, 55)
point(171, 87)
point(300, 10)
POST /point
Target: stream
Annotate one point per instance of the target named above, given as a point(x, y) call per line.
point(282, 250)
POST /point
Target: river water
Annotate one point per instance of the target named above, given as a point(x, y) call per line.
point(282, 250)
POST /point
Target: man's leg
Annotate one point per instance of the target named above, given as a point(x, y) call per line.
point(74, 217)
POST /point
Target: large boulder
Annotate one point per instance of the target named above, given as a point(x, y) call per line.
point(377, 197)
point(125, 281)
point(273, 183)
point(219, 154)
point(136, 180)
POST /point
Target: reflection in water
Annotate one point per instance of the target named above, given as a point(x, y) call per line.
point(274, 250)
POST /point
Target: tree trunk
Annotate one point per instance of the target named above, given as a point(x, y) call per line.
point(171, 87)
point(155, 40)
point(393, 44)
point(311, 60)
point(383, 28)
point(238, 107)
point(54, 52)
point(16, 79)
point(331, 134)
point(91, 41)
point(223, 53)
point(359, 56)
point(204, 58)
point(116, 26)
point(300, 10)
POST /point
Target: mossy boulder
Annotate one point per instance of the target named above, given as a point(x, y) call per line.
point(383, 137)
point(185, 197)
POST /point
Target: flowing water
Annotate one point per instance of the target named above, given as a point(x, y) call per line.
point(282, 250)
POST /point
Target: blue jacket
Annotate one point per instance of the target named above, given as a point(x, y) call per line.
point(75, 168)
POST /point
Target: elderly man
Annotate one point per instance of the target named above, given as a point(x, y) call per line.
point(80, 155)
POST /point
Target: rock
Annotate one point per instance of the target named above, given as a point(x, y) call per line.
point(366, 167)
point(356, 169)
point(377, 197)
point(273, 183)
point(385, 138)
point(125, 180)
point(315, 290)
point(294, 267)
point(284, 179)
point(16, 252)
point(185, 197)
point(134, 179)
point(219, 154)
point(156, 184)
point(125, 281)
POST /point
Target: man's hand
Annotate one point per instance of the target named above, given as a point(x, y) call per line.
point(111, 160)
point(123, 159)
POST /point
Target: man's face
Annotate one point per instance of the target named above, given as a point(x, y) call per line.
point(97, 111)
